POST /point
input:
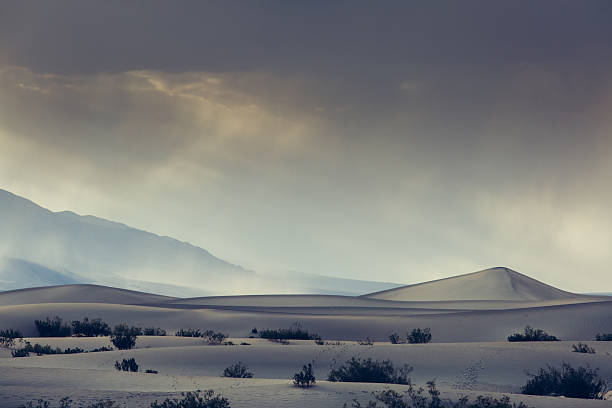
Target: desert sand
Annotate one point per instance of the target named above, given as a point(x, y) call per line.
point(470, 317)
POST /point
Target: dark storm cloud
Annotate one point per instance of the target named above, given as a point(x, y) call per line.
point(336, 38)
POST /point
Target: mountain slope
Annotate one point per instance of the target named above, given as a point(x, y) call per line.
point(95, 248)
point(490, 284)
point(56, 248)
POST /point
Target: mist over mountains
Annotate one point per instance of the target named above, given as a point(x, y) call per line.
point(39, 247)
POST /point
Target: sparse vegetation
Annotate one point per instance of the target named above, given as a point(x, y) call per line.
point(66, 402)
point(149, 371)
point(603, 337)
point(582, 348)
point(36, 349)
point(214, 337)
point(295, 332)
point(75, 350)
point(581, 382)
point(367, 342)
point(418, 336)
point(52, 327)
point(368, 370)
point(394, 338)
point(99, 349)
point(90, 328)
point(418, 398)
point(531, 334)
point(11, 334)
point(124, 337)
point(129, 365)
point(304, 378)
point(238, 370)
point(196, 399)
point(188, 333)
point(154, 331)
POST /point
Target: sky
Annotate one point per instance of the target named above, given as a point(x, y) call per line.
point(391, 141)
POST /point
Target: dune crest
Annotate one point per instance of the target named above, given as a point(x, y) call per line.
point(499, 283)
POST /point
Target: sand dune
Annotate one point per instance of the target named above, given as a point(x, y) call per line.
point(78, 294)
point(470, 317)
point(490, 284)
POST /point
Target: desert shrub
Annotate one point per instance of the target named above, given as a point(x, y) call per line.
point(11, 334)
point(531, 334)
point(52, 327)
point(154, 331)
point(581, 382)
point(394, 338)
point(99, 349)
point(367, 370)
point(67, 403)
point(603, 337)
point(149, 371)
point(188, 333)
point(245, 344)
point(418, 398)
point(582, 348)
point(304, 378)
point(36, 349)
point(196, 399)
point(295, 332)
point(124, 337)
point(21, 352)
point(238, 370)
point(75, 350)
point(367, 342)
point(417, 336)
point(127, 365)
point(90, 328)
point(214, 337)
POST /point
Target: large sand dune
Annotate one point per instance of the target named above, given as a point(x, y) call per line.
point(490, 284)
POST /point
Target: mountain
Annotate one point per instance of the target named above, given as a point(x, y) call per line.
point(490, 284)
point(96, 248)
point(39, 247)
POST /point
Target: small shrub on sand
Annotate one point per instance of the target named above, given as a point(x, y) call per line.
point(238, 370)
point(11, 334)
point(189, 333)
point(154, 331)
point(90, 328)
point(304, 378)
point(603, 337)
point(418, 398)
point(367, 342)
point(581, 382)
point(531, 334)
point(99, 349)
point(129, 365)
point(367, 370)
point(214, 337)
point(149, 371)
point(67, 403)
point(124, 337)
point(196, 399)
point(394, 338)
point(582, 348)
point(295, 332)
point(75, 350)
point(417, 336)
point(52, 327)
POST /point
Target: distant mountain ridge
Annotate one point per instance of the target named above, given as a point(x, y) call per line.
point(39, 247)
point(499, 283)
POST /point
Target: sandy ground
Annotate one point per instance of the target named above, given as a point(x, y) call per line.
point(187, 364)
point(469, 354)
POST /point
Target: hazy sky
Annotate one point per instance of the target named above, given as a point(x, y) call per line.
point(398, 141)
